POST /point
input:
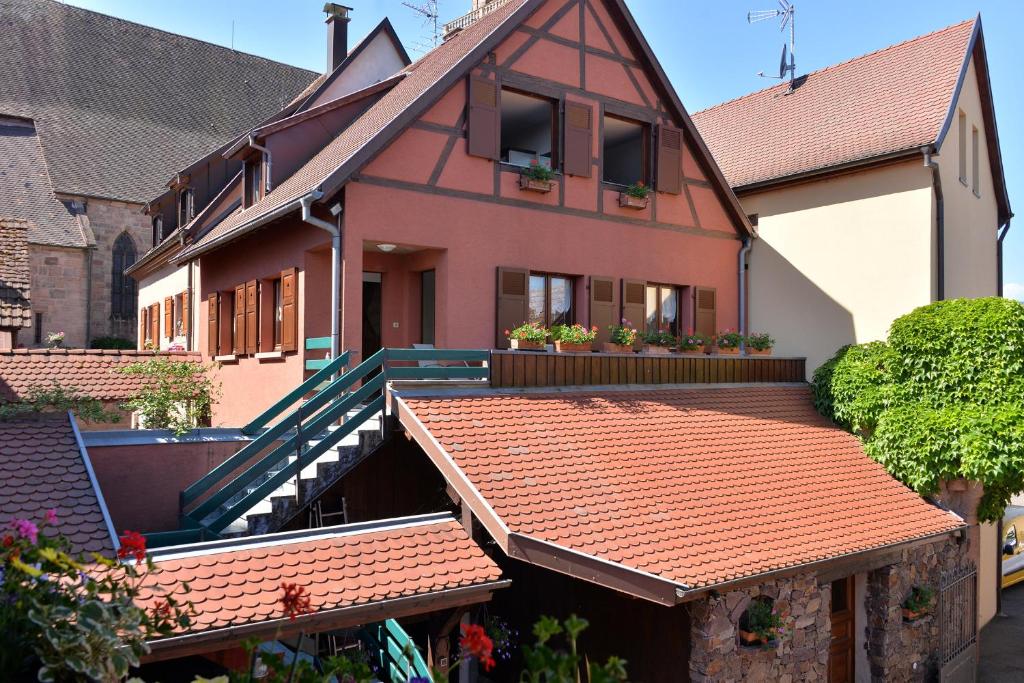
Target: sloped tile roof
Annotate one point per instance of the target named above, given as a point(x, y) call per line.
point(120, 106)
point(884, 102)
point(696, 486)
point(15, 291)
point(25, 189)
point(420, 76)
point(93, 372)
point(339, 567)
point(42, 468)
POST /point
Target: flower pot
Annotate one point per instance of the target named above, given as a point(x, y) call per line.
point(523, 345)
point(729, 350)
point(696, 349)
point(532, 185)
point(911, 615)
point(709, 349)
point(754, 640)
point(608, 347)
point(759, 352)
point(656, 350)
point(567, 347)
point(628, 201)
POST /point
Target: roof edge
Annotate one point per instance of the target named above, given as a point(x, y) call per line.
point(84, 453)
point(824, 172)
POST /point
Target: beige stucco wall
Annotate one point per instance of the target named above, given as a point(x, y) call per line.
point(970, 220)
point(837, 260)
point(169, 281)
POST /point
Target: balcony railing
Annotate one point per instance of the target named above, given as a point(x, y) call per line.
point(468, 18)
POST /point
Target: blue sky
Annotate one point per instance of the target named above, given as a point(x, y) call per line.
point(707, 48)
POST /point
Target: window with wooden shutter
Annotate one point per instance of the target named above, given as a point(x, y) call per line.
point(226, 322)
point(602, 306)
point(484, 118)
point(251, 318)
point(184, 312)
point(154, 325)
point(705, 312)
point(633, 300)
point(238, 336)
point(142, 328)
point(513, 302)
point(169, 317)
point(670, 160)
point(579, 136)
point(212, 325)
point(289, 309)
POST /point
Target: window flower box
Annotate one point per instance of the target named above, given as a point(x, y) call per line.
point(910, 615)
point(628, 201)
point(754, 640)
point(532, 185)
point(536, 178)
point(760, 344)
point(759, 352)
point(728, 350)
point(609, 347)
point(656, 350)
point(524, 345)
point(573, 338)
point(528, 337)
point(728, 343)
point(623, 336)
point(569, 347)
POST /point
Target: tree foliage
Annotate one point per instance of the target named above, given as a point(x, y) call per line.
point(178, 396)
point(56, 398)
point(943, 398)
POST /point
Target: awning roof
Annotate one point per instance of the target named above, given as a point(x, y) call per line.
point(354, 574)
point(664, 492)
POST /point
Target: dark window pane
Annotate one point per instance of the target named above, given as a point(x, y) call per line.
point(538, 286)
point(839, 596)
point(527, 134)
point(561, 301)
point(122, 286)
point(623, 151)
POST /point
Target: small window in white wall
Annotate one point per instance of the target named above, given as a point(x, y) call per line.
point(975, 164)
point(962, 131)
point(179, 323)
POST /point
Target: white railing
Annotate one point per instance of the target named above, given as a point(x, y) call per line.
point(468, 18)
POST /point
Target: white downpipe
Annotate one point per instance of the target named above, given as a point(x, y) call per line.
point(747, 244)
point(268, 185)
point(335, 232)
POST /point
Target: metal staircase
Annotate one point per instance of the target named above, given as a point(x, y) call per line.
point(339, 421)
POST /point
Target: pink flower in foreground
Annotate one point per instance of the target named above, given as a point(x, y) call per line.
point(26, 529)
point(51, 516)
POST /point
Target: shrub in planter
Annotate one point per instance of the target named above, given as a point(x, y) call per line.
point(918, 603)
point(728, 342)
point(691, 342)
point(623, 336)
point(536, 177)
point(761, 624)
point(573, 338)
point(528, 337)
point(658, 342)
point(760, 344)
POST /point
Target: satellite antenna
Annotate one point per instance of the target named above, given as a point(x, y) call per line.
point(788, 18)
point(428, 9)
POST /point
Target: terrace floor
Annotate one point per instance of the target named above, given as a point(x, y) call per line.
point(1002, 641)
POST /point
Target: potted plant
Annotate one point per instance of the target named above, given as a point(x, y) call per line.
point(622, 339)
point(636, 196)
point(527, 337)
point(691, 342)
point(536, 177)
point(658, 342)
point(761, 625)
point(760, 344)
point(573, 338)
point(728, 342)
point(918, 603)
point(55, 340)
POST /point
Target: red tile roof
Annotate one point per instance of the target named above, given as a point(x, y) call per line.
point(93, 372)
point(42, 467)
point(884, 102)
point(693, 486)
point(368, 566)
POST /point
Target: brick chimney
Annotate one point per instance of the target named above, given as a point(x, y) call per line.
point(337, 34)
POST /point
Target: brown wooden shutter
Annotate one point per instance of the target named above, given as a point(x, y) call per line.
point(184, 312)
point(484, 118)
point(579, 136)
point(602, 306)
point(670, 160)
point(633, 303)
point(238, 340)
point(705, 312)
point(251, 328)
point(212, 325)
point(513, 301)
point(289, 309)
point(169, 317)
point(142, 328)
point(154, 324)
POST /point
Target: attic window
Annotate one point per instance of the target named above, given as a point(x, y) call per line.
point(625, 151)
point(253, 190)
point(186, 203)
point(527, 129)
point(158, 229)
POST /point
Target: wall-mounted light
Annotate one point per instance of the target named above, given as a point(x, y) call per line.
point(387, 248)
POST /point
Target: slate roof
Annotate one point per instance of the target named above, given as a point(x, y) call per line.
point(887, 101)
point(121, 106)
point(91, 371)
point(42, 468)
point(25, 188)
point(341, 568)
point(690, 487)
point(15, 290)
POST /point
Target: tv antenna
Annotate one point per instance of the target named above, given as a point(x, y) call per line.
point(431, 15)
point(788, 18)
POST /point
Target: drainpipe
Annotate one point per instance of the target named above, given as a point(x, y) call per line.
point(940, 222)
point(747, 244)
point(266, 153)
point(335, 232)
point(999, 256)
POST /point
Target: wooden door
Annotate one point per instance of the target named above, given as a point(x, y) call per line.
point(841, 654)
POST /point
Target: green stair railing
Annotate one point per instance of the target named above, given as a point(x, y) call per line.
point(394, 653)
point(281, 451)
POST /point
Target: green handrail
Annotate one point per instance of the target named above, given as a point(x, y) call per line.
point(273, 411)
point(315, 343)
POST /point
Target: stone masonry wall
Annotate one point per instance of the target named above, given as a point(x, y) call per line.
point(906, 651)
point(802, 656)
point(58, 277)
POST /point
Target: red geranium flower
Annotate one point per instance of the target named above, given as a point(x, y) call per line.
point(133, 544)
point(161, 611)
point(295, 600)
point(475, 643)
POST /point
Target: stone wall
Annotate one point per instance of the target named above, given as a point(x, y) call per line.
point(802, 655)
point(906, 651)
point(59, 277)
